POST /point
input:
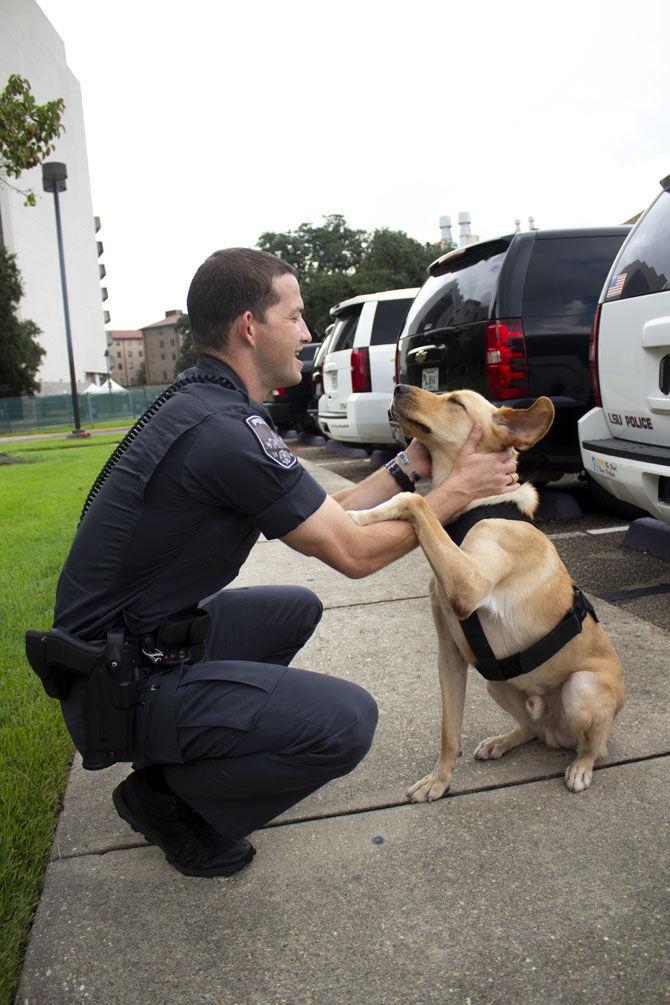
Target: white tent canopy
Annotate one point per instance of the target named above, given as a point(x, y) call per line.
point(104, 388)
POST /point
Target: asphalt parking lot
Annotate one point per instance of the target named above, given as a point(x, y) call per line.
point(589, 541)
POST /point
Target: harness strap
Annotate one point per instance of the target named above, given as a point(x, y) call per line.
point(537, 654)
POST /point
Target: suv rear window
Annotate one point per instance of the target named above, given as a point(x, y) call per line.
point(566, 274)
point(645, 260)
point(461, 291)
point(390, 317)
point(345, 329)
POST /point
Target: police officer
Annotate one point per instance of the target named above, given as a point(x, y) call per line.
point(222, 745)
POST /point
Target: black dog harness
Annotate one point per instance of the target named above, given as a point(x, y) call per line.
point(537, 654)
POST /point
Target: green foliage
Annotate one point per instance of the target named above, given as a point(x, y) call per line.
point(393, 261)
point(332, 247)
point(187, 354)
point(40, 504)
point(335, 262)
point(20, 353)
point(141, 375)
point(27, 130)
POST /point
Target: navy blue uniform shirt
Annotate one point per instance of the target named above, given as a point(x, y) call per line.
point(181, 510)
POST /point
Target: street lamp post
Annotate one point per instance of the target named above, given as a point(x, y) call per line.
point(53, 180)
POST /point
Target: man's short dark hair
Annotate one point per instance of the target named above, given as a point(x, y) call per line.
point(227, 284)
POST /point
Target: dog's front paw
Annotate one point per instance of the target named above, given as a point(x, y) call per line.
point(359, 516)
point(430, 788)
point(491, 749)
point(391, 509)
point(578, 775)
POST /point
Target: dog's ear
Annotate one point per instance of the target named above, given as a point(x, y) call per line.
point(523, 427)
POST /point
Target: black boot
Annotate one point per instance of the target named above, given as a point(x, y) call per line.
point(165, 820)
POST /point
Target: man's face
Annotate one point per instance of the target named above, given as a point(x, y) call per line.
point(282, 334)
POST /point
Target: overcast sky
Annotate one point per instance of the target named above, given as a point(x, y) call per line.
point(210, 122)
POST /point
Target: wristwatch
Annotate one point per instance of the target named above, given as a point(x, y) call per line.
point(401, 470)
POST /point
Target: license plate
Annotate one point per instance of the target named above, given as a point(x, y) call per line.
point(430, 378)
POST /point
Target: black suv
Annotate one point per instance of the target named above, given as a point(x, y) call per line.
point(511, 318)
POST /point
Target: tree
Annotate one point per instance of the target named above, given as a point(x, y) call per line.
point(141, 375)
point(335, 262)
point(331, 247)
point(393, 261)
point(20, 353)
point(188, 355)
point(27, 131)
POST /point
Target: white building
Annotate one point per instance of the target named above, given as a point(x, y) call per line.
point(30, 47)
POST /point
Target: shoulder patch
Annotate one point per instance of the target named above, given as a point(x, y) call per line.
point(271, 442)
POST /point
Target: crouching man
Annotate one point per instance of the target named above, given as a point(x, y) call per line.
point(223, 733)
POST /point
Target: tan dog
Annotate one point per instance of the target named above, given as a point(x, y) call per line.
point(511, 574)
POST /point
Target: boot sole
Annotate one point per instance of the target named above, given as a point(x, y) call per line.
point(152, 837)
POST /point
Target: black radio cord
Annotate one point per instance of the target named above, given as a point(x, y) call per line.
point(132, 434)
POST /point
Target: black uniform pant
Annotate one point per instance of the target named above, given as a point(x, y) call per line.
point(252, 735)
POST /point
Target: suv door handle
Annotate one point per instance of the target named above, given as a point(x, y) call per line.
point(424, 348)
point(656, 334)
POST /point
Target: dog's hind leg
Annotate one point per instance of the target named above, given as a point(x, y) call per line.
point(513, 702)
point(589, 711)
point(452, 669)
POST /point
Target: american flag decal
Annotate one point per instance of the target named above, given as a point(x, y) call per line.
point(616, 286)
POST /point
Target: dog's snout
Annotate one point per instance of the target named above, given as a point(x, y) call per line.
point(400, 390)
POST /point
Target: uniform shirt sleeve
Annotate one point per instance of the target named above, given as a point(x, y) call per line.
point(239, 462)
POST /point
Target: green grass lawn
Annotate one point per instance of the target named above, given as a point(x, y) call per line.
point(40, 503)
point(68, 427)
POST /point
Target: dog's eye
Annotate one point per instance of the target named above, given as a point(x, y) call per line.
point(423, 427)
point(455, 401)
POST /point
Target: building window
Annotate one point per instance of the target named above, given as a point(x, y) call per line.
point(171, 341)
point(162, 344)
point(162, 355)
point(130, 352)
point(174, 355)
point(140, 354)
point(118, 355)
point(131, 366)
point(165, 375)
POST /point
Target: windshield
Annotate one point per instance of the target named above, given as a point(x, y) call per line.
point(464, 291)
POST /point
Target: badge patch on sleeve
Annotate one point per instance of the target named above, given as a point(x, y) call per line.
point(271, 442)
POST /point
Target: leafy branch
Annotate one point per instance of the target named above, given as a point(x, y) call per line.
point(27, 131)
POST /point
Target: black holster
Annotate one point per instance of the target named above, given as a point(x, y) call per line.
point(109, 672)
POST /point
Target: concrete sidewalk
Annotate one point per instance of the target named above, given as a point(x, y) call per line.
point(510, 890)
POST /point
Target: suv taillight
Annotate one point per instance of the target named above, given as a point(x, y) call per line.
point(506, 359)
point(593, 358)
point(279, 392)
point(360, 370)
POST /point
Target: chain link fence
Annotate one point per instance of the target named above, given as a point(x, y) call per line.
point(28, 415)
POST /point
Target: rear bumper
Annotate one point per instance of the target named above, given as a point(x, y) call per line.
point(632, 472)
point(365, 421)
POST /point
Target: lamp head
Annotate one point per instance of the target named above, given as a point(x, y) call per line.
point(54, 174)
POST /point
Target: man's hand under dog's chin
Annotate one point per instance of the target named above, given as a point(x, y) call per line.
point(479, 476)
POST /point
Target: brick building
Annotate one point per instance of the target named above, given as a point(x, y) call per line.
point(162, 343)
point(126, 355)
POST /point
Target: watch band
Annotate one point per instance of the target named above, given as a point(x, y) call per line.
point(406, 465)
point(396, 472)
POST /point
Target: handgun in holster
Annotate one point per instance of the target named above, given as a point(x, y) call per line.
point(109, 673)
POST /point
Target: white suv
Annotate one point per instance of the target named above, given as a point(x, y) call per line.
point(625, 441)
point(359, 368)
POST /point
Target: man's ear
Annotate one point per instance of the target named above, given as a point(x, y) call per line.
point(523, 427)
point(243, 327)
